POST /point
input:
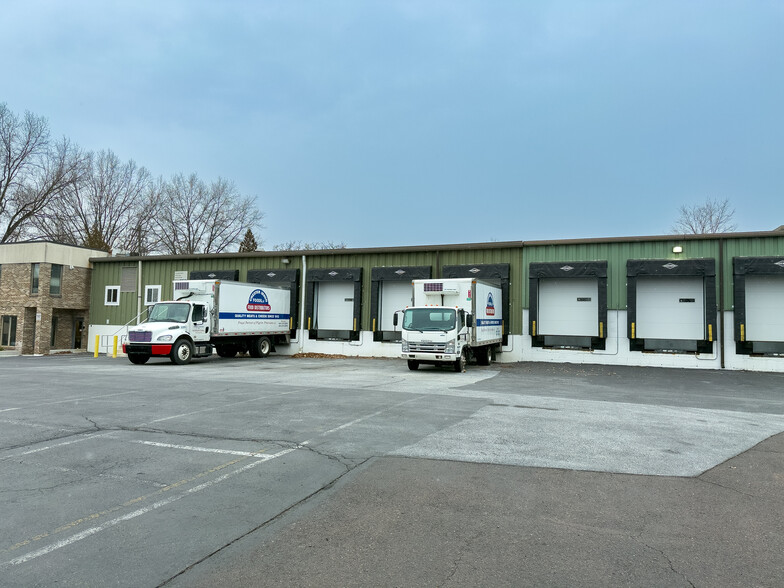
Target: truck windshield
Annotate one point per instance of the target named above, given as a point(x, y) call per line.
point(170, 312)
point(429, 319)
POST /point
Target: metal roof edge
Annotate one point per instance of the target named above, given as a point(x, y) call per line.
point(442, 247)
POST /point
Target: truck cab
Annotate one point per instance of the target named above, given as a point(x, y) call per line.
point(179, 329)
point(435, 335)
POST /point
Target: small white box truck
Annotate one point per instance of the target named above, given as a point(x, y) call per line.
point(452, 321)
point(230, 317)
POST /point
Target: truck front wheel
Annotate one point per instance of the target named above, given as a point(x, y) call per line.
point(460, 363)
point(413, 364)
point(260, 347)
point(182, 352)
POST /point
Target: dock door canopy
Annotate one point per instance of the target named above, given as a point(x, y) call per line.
point(333, 303)
point(391, 291)
point(759, 305)
point(278, 278)
point(671, 305)
point(231, 275)
point(496, 273)
point(568, 304)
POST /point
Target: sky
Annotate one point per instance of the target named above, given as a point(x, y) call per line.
point(419, 122)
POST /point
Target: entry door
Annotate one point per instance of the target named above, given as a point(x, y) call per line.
point(395, 296)
point(765, 308)
point(78, 326)
point(335, 306)
point(670, 308)
point(569, 307)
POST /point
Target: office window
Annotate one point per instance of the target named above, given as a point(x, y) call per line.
point(56, 280)
point(152, 294)
point(112, 296)
point(35, 270)
point(8, 331)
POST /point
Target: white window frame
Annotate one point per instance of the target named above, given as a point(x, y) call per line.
point(116, 290)
point(147, 290)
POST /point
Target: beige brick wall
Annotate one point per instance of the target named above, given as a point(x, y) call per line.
point(34, 311)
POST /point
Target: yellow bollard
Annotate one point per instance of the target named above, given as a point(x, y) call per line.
point(97, 343)
point(114, 348)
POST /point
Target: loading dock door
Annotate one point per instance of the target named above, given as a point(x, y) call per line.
point(765, 308)
point(394, 296)
point(335, 306)
point(569, 307)
point(670, 307)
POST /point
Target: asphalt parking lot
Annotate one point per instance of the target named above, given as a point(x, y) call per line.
point(335, 472)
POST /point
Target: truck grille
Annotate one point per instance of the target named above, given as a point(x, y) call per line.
point(140, 336)
point(427, 347)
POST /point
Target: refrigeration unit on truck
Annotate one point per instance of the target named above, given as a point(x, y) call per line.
point(229, 317)
point(452, 321)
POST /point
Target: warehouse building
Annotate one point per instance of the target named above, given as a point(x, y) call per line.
point(694, 301)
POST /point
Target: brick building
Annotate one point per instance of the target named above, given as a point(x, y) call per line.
point(44, 296)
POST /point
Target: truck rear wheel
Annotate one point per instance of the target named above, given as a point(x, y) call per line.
point(482, 355)
point(260, 347)
point(226, 350)
point(138, 358)
point(182, 352)
point(413, 364)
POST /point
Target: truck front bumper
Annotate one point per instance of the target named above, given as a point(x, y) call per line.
point(142, 349)
point(430, 357)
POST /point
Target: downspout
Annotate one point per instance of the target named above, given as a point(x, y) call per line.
point(139, 292)
point(721, 300)
point(302, 296)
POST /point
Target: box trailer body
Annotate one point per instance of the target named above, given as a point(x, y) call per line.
point(229, 317)
point(452, 321)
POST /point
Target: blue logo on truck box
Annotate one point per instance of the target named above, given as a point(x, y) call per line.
point(258, 301)
point(490, 310)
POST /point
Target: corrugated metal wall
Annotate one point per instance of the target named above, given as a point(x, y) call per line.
point(160, 271)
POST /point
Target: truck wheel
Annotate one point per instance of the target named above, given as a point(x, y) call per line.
point(182, 352)
point(482, 355)
point(261, 347)
point(413, 364)
point(460, 363)
point(226, 350)
point(138, 358)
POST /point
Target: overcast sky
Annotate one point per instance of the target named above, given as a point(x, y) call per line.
point(423, 122)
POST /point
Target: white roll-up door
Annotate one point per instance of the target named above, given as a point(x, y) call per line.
point(569, 307)
point(765, 308)
point(670, 308)
point(394, 296)
point(335, 306)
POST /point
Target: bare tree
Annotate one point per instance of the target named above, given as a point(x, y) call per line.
point(711, 217)
point(105, 210)
point(34, 170)
point(194, 217)
point(305, 246)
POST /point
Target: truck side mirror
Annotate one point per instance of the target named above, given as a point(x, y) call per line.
point(394, 320)
point(469, 320)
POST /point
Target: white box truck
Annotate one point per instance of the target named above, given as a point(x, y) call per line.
point(229, 317)
point(452, 321)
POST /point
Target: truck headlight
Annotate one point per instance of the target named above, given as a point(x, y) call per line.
point(164, 338)
point(405, 346)
point(450, 347)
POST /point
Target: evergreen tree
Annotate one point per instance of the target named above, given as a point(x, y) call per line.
point(248, 242)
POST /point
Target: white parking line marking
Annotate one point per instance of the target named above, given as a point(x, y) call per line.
point(193, 448)
point(8, 409)
point(260, 460)
point(132, 515)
